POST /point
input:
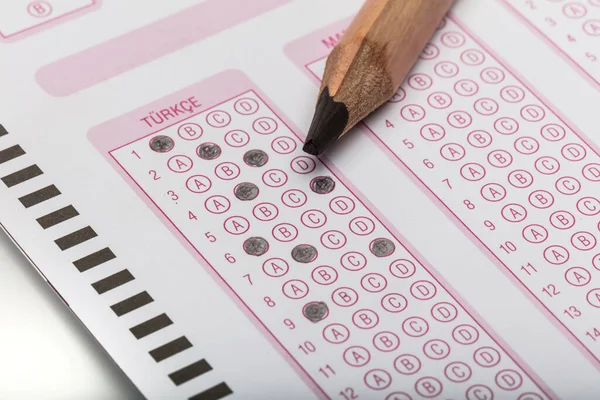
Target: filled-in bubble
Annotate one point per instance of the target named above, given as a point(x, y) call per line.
point(322, 185)
point(304, 253)
point(246, 191)
point(256, 158)
point(161, 144)
point(208, 151)
point(382, 247)
point(315, 311)
point(256, 246)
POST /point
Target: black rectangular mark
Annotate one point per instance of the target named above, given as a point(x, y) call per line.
point(3, 131)
point(21, 176)
point(58, 216)
point(214, 393)
point(94, 259)
point(39, 196)
point(132, 303)
point(75, 238)
point(152, 325)
point(10, 153)
point(115, 280)
point(170, 349)
point(190, 372)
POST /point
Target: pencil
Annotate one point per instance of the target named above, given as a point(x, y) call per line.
point(369, 64)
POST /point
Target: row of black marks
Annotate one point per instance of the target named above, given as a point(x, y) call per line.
point(111, 282)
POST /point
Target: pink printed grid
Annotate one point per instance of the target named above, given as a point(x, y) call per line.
point(564, 53)
point(310, 46)
point(48, 23)
point(64, 77)
point(98, 138)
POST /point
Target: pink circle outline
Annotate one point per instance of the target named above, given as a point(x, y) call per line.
point(357, 347)
point(285, 139)
point(537, 226)
point(441, 387)
point(305, 198)
point(355, 296)
point(397, 341)
point(314, 164)
point(567, 193)
point(214, 112)
point(287, 267)
point(287, 225)
point(447, 145)
point(180, 171)
point(346, 331)
point(414, 359)
point(318, 212)
point(235, 106)
point(559, 247)
point(437, 340)
point(454, 363)
point(376, 318)
point(227, 163)
point(379, 370)
point(264, 203)
point(221, 197)
point(295, 280)
point(419, 319)
point(444, 303)
point(595, 241)
point(196, 177)
point(231, 218)
point(487, 348)
point(344, 241)
point(276, 184)
point(562, 227)
point(330, 269)
point(589, 276)
point(186, 124)
point(237, 145)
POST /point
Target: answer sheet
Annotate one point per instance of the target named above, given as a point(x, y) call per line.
point(447, 248)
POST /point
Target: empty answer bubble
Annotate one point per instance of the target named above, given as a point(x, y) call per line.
point(382, 247)
point(315, 311)
point(256, 246)
point(161, 144)
point(322, 185)
point(256, 158)
point(209, 151)
point(246, 191)
point(304, 253)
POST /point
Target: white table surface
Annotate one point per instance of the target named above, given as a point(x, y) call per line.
point(45, 352)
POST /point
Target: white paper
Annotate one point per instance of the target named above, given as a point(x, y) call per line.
point(436, 284)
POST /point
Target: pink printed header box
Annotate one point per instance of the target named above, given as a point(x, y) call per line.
point(153, 41)
point(278, 230)
point(512, 172)
point(19, 18)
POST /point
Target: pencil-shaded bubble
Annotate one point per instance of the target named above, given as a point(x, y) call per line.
point(246, 191)
point(208, 151)
point(315, 311)
point(256, 246)
point(322, 185)
point(256, 158)
point(382, 247)
point(304, 253)
point(161, 144)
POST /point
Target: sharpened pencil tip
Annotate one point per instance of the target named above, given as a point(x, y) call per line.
point(328, 124)
point(310, 148)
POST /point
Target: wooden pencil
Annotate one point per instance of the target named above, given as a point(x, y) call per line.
point(369, 64)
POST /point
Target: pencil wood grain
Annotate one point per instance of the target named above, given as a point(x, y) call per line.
point(375, 54)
